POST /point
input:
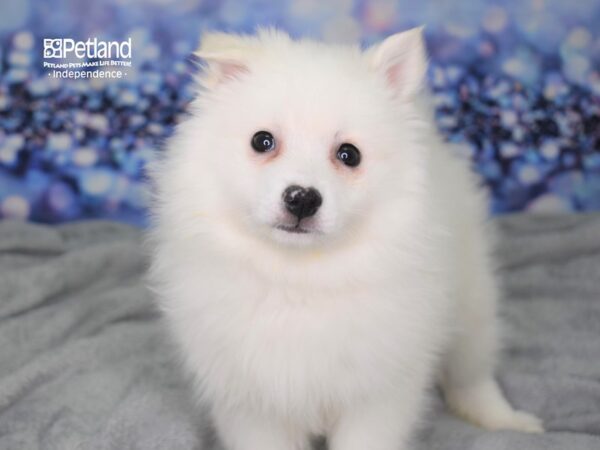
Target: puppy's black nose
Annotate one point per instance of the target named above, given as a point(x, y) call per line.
point(302, 202)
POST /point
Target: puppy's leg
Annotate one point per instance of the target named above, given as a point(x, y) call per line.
point(380, 425)
point(246, 431)
point(467, 380)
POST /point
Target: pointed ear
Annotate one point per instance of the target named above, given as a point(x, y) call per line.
point(402, 59)
point(225, 56)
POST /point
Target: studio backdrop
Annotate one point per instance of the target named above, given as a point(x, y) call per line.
point(89, 90)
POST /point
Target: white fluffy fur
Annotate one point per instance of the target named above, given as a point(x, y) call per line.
point(341, 331)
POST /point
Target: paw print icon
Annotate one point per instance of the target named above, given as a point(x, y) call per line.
point(53, 48)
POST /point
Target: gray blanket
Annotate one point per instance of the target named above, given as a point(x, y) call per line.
point(85, 363)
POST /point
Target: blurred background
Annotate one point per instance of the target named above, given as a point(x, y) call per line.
point(516, 80)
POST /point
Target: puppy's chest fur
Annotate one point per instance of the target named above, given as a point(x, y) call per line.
point(305, 351)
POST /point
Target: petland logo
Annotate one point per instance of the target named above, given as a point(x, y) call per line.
point(95, 53)
point(92, 48)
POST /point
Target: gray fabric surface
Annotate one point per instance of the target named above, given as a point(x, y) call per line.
point(84, 362)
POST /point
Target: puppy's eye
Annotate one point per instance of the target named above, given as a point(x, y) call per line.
point(349, 155)
point(263, 142)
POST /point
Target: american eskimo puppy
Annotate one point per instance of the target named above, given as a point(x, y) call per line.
point(320, 255)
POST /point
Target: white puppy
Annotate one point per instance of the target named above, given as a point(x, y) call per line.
point(320, 255)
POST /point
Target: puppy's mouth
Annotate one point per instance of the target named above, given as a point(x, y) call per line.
point(297, 229)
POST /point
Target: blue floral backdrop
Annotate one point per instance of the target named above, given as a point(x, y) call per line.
point(518, 81)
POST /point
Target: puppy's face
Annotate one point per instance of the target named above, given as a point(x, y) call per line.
point(304, 143)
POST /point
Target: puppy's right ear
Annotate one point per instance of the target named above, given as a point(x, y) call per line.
point(402, 59)
point(225, 56)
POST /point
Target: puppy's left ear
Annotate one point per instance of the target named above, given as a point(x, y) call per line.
point(402, 59)
point(225, 57)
